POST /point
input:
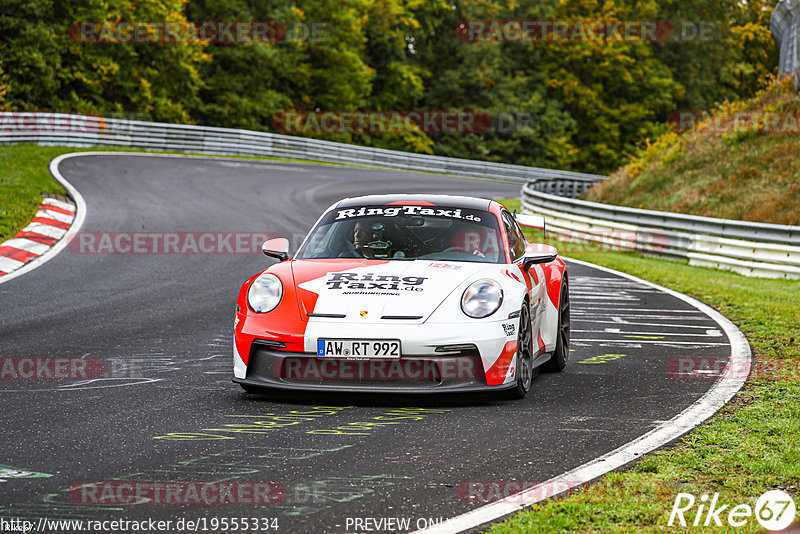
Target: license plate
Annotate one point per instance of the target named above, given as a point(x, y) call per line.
point(358, 348)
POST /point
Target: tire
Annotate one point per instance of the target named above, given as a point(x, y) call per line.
point(558, 361)
point(524, 356)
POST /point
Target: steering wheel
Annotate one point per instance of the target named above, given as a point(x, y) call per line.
point(475, 252)
point(456, 249)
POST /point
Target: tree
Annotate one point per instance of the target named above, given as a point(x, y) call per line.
point(50, 69)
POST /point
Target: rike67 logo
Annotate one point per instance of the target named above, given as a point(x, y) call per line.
point(774, 510)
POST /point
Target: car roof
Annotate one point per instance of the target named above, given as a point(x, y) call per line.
point(451, 201)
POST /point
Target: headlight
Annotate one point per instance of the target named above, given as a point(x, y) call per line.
point(482, 299)
point(265, 293)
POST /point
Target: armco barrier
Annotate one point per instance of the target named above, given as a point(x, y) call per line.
point(564, 187)
point(752, 249)
point(749, 248)
point(86, 131)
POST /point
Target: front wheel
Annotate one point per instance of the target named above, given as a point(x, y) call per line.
point(524, 356)
point(558, 361)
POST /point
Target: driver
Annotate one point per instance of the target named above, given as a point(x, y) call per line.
point(362, 234)
point(373, 239)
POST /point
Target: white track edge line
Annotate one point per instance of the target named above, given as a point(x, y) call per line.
point(77, 222)
point(691, 417)
point(80, 204)
point(703, 408)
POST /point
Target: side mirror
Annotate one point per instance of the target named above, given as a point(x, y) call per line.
point(536, 254)
point(531, 221)
point(276, 248)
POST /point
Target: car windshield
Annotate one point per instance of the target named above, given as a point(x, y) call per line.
point(406, 232)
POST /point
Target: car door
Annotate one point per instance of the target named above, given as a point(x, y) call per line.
point(517, 244)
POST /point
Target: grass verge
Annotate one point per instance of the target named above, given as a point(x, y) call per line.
point(24, 178)
point(752, 445)
point(749, 447)
point(740, 162)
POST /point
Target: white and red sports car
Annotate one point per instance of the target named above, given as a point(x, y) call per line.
point(405, 293)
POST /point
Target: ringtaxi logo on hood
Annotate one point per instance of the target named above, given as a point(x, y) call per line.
point(374, 281)
point(395, 211)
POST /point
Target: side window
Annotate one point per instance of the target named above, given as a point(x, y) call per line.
point(516, 241)
point(520, 236)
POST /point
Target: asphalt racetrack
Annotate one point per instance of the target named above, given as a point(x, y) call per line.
point(161, 408)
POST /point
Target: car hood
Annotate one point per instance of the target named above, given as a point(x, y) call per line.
point(378, 290)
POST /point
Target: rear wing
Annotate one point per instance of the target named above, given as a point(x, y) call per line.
point(532, 221)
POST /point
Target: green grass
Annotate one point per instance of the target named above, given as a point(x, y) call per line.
point(24, 178)
point(745, 175)
point(751, 446)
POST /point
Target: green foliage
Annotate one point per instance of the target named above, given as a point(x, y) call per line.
point(578, 105)
point(723, 167)
point(731, 65)
point(3, 90)
point(49, 71)
point(750, 446)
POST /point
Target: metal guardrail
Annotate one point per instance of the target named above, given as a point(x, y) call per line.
point(785, 25)
point(87, 131)
point(563, 187)
point(752, 249)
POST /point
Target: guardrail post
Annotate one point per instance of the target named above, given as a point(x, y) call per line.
point(785, 25)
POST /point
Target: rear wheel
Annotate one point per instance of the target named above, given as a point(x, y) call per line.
point(524, 357)
point(558, 362)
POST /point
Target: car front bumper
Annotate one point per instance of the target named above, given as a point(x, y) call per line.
point(277, 369)
point(436, 357)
